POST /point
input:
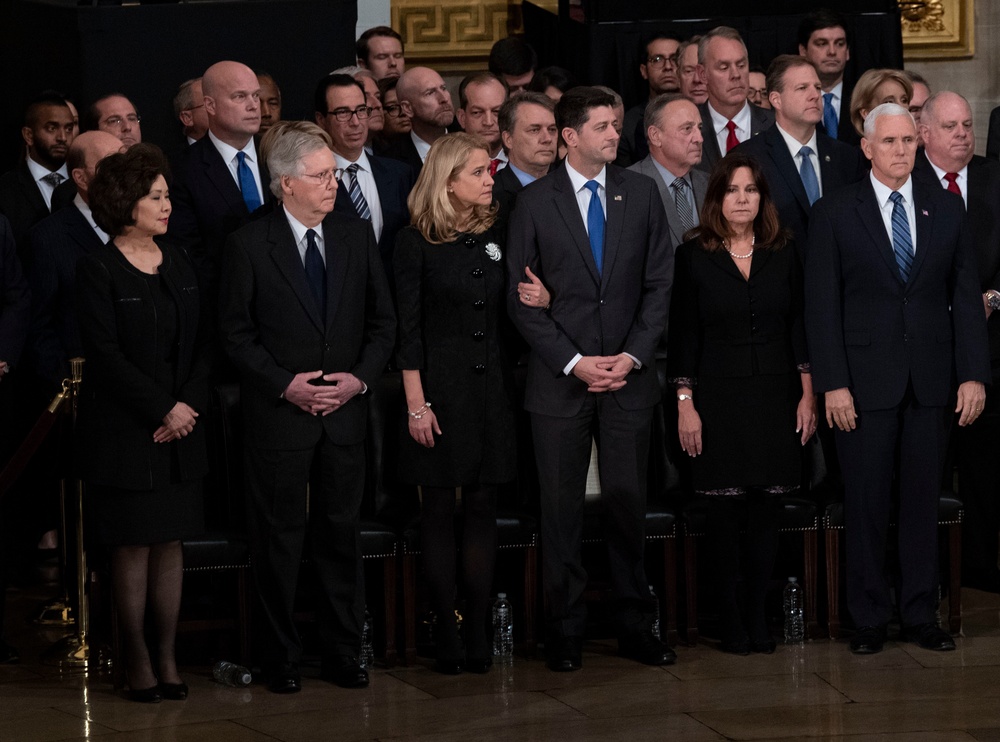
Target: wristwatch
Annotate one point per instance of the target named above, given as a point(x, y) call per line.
point(682, 397)
point(993, 299)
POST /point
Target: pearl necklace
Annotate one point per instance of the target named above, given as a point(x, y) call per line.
point(753, 241)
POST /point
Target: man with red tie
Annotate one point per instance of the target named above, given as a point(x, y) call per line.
point(480, 96)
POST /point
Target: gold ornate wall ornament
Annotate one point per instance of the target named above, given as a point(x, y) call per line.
point(936, 29)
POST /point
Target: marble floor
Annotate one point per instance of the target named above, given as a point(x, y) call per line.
point(816, 691)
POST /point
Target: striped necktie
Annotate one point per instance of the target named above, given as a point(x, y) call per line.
point(357, 197)
point(902, 245)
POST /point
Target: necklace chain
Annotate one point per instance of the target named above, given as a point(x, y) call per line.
point(753, 241)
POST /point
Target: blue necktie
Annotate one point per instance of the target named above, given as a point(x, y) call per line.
point(315, 271)
point(248, 186)
point(808, 174)
point(357, 197)
point(595, 224)
point(829, 116)
point(902, 245)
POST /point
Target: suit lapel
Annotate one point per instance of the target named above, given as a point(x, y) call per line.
point(785, 164)
point(285, 255)
point(924, 218)
point(871, 217)
point(217, 172)
point(617, 199)
point(710, 147)
point(30, 189)
point(80, 230)
point(569, 209)
point(337, 246)
point(720, 258)
point(646, 167)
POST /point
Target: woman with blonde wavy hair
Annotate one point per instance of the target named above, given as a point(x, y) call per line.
point(458, 426)
point(876, 87)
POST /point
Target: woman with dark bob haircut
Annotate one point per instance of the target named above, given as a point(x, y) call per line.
point(737, 355)
point(144, 384)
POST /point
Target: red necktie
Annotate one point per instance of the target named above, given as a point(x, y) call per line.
point(952, 185)
point(731, 140)
point(494, 166)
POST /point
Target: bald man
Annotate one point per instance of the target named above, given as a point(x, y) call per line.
point(55, 245)
point(219, 181)
point(426, 101)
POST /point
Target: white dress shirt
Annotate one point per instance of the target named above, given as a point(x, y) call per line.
point(229, 157)
point(40, 171)
point(301, 241)
point(741, 119)
point(962, 181)
point(838, 94)
point(882, 193)
point(84, 208)
point(422, 147)
point(369, 189)
point(794, 145)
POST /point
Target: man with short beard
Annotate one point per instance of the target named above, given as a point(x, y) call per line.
point(427, 102)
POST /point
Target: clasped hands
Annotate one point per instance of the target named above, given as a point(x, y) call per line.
point(603, 373)
point(322, 399)
point(176, 424)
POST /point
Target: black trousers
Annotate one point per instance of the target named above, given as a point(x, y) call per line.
point(284, 524)
point(977, 452)
point(868, 456)
point(562, 451)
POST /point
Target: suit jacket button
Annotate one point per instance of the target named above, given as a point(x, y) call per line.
point(479, 368)
point(477, 272)
point(479, 304)
point(478, 335)
point(602, 302)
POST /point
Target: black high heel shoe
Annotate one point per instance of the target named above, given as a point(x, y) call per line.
point(174, 691)
point(145, 695)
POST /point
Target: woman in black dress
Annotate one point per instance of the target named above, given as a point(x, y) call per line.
point(144, 384)
point(737, 355)
point(459, 421)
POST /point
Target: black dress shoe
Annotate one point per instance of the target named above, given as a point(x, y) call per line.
point(564, 653)
point(740, 647)
point(643, 647)
point(477, 665)
point(8, 655)
point(145, 695)
point(767, 646)
point(929, 636)
point(344, 671)
point(284, 679)
point(174, 691)
point(868, 640)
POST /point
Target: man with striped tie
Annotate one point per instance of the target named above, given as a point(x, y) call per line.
point(376, 188)
point(893, 314)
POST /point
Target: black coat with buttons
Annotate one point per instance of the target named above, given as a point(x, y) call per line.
point(450, 301)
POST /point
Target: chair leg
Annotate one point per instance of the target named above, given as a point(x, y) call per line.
point(530, 596)
point(669, 618)
point(691, 586)
point(389, 596)
point(833, 581)
point(955, 578)
point(809, 549)
point(410, 608)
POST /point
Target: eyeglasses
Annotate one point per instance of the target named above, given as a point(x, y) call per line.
point(117, 121)
point(393, 109)
point(343, 115)
point(659, 60)
point(322, 178)
point(194, 108)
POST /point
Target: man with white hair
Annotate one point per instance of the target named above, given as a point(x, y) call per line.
point(307, 320)
point(893, 314)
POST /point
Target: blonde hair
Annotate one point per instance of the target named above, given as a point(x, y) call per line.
point(864, 92)
point(431, 210)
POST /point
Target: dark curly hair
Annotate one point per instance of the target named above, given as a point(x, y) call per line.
point(121, 181)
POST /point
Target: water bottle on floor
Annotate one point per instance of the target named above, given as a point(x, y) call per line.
point(795, 629)
point(656, 614)
point(367, 657)
point(229, 673)
point(503, 629)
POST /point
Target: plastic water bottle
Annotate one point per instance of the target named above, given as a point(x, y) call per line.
point(229, 673)
point(795, 629)
point(367, 657)
point(656, 614)
point(503, 629)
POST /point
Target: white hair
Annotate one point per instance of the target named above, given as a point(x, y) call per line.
point(884, 109)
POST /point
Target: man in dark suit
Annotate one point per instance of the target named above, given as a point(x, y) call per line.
point(823, 41)
point(219, 180)
point(658, 67)
point(189, 108)
point(56, 243)
point(527, 124)
point(306, 317)
point(480, 96)
point(374, 188)
point(597, 237)
point(26, 191)
point(949, 161)
point(728, 118)
point(893, 314)
point(426, 100)
point(800, 162)
point(673, 129)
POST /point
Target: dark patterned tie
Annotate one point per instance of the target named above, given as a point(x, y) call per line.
point(357, 197)
point(315, 270)
point(54, 179)
point(902, 245)
point(684, 204)
point(952, 184)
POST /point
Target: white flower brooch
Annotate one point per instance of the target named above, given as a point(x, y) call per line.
point(493, 251)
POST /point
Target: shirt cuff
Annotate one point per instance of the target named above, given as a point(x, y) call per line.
point(636, 361)
point(572, 364)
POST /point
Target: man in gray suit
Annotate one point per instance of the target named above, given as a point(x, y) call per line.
point(673, 130)
point(728, 118)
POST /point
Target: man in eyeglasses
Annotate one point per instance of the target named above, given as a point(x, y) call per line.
point(219, 181)
point(189, 108)
point(115, 114)
point(658, 67)
point(375, 188)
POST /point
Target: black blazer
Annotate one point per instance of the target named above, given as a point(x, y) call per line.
point(993, 135)
point(122, 402)
point(761, 119)
point(272, 328)
point(15, 299)
point(403, 149)
point(870, 332)
point(57, 243)
point(208, 207)
point(839, 164)
point(623, 309)
point(22, 203)
point(394, 180)
point(984, 222)
point(506, 187)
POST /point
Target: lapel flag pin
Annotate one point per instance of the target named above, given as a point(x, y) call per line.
point(618, 198)
point(924, 212)
point(826, 158)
